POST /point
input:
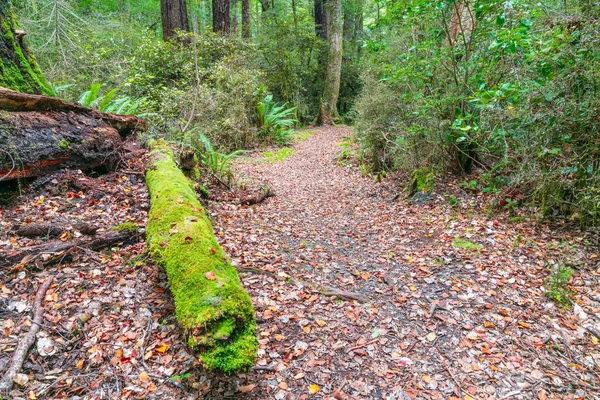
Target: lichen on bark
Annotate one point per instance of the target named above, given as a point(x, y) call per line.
point(18, 68)
point(211, 305)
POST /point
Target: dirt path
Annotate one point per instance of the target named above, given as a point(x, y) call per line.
point(456, 308)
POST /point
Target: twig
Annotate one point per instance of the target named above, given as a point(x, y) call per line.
point(261, 368)
point(13, 164)
point(361, 345)
point(24, 345)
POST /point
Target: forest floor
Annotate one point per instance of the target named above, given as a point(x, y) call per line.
point(455, 305)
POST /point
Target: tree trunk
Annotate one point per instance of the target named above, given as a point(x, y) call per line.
point(331, 90)
point(221, 16)
point(320, 20)
point(18, 69)
point(174, 17)
point(246, 33)
point(42, 134)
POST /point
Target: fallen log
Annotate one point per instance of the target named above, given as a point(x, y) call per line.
point(59, 249)
point(40, 134)
point(262, 193)
point(211, 305)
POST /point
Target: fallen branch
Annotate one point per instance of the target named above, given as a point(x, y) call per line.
point(331, 291)
point(59, 249)
point(50, 229)
point(23, 347)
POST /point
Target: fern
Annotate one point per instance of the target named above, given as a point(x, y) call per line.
point(275, 121)
point(218, 163)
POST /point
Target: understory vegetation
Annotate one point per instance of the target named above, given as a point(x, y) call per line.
point(507, 90)
point(505, 93)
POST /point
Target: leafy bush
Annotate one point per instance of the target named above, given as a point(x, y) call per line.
point(216, 89)
point(218, 163)
point(557, 288)
point(515, 99)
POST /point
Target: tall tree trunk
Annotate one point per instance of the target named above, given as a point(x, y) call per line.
point(246, 33)
point(18, 69)
point(221, 22)
point(331, 90)
point(320, 20)
point(174, 17)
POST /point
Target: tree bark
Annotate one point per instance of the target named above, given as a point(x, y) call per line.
point(221, 20)
point(18, 69)
point(246, 32)
point(331, 90)
point(174, 17)
point(320, 20)
point(40, 134)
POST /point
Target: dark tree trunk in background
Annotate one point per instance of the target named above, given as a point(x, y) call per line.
point(265, 8)
point(174, 17)
point(246, 19)
point(18, 69)
point(221, 21)
point(320, 20)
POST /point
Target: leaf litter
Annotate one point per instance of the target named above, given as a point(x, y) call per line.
point(442, 321)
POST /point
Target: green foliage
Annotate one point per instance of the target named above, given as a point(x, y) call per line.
point(516, 98)
point(218, 163)
point(557, 285)
point(461, 243)
point(107, 103)
point(275, 121)
point(421, 180)
point(280, 155)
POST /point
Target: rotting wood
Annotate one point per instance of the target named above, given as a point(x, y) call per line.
point(262, 193)
point(23, 347)
point(51, 229)
point(40, 134)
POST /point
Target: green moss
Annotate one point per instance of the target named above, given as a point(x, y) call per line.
point(421, 180)
point(63, 144)
point(125, 227)
point(18, 68)
point(461, 243)
point(211, 305)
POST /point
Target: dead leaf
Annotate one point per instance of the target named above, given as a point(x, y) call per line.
point(144, 377)
point(210, 276)
point(247, 388)
point(162, 348)
point(431, 336)
point(313, 389)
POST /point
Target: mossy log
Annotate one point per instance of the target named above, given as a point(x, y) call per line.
point(40, 134)
point(211, 305)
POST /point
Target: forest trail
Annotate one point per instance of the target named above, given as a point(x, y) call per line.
point(456, 304)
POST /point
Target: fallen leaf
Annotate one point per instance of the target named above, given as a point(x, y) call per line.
point(488, 324)
point(210, 276)
point(162, 348)
point(426, 378)
point(247, 388)
point(299, 375)
point(313, 389)
point(431, 336)
point(282, 385)
point(144, 377)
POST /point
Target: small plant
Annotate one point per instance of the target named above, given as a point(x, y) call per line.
point(218, 163)
point(511, 205)
point(107, 102)
point(280, 155)
point(453, 201)
point(470, 186)
point(275, 121)
point(557, 283)
point(365, 169)
point(461, 243)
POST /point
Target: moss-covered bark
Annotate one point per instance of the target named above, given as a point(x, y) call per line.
point(18, 69)
point(211, 305)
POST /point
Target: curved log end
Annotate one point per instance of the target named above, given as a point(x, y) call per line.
point(211, 305)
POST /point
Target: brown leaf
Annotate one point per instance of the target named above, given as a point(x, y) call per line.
point(247, 388)
point(210, 276)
